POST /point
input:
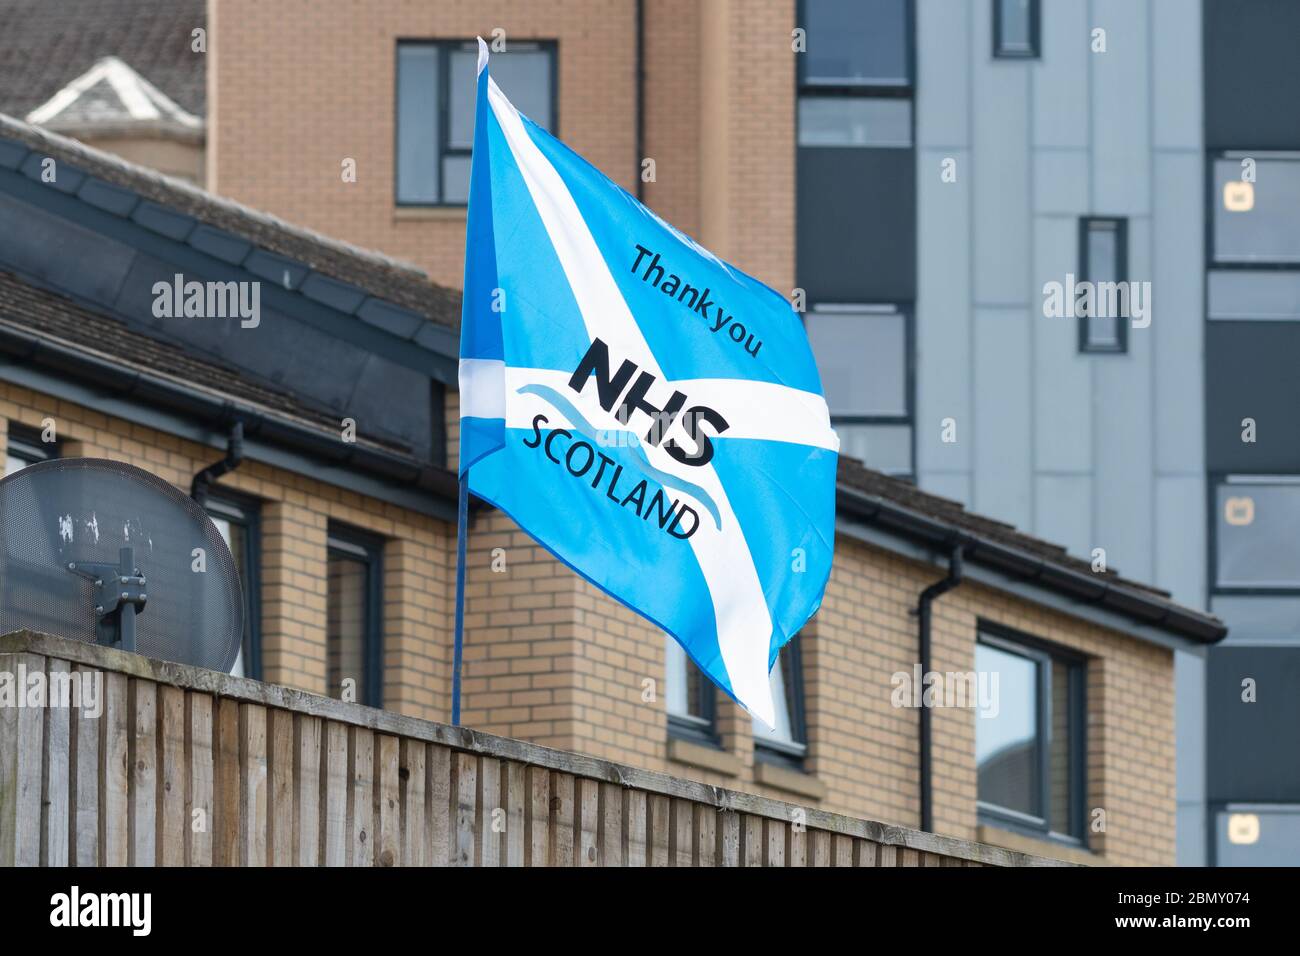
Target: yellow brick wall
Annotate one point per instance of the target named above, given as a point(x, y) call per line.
point(550, 659)
point(288, 106)
point(292, 104)
point(295, 514)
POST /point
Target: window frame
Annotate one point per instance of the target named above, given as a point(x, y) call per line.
point(1212, 203)
point(906, 312)
point(1121, 254)
point(25, 443)
point(867, 89)
point(1215, 481)
point(445, 46)
point(1035, 50)
point(779, 752)
point(1044, 654)
point(354, 544)
point(704, 728)
point(247, 514)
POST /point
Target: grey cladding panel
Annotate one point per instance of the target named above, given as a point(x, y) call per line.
point(60, 253)
point(337, 295)
point(66, 179)
point(163, 221)
point(1252, 747)
point(1251, 373)
point(392, 319)
point(285, 273)
point(1252, 80)
point(220, 244)
point(108, 197)
point(11, 154)
point(392, 402)
point(857, 224)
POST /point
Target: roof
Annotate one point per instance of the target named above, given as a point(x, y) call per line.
point(28, 311)
point(940, 522)
point(396, 282)
point(111, 96)
point(46, 43)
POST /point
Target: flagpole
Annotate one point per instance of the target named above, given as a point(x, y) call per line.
point(462, 532)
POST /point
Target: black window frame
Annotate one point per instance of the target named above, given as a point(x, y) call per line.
point(790, 755)
point(702, 729)
point(246, 513)
point(354, 544)
point(1034, 52)
point(1121, 276)
point(445, 46)
point(906, 311)
point(1045, 653)
point(25, 443)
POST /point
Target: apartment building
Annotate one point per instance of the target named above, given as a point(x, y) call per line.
point(340, 519)
point(915, 173)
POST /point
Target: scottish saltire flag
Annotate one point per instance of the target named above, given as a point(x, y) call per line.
point(650, 414)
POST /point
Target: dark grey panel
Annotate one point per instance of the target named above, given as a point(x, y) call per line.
point(400, 322)
point(394, 402)
point(436, 338)
point(285, 273)
point(1251, 373)
point(281, 349)
point(60, 253)
point(11, 154)
point(1252, 74)
point(108, 197)
point(163, 221)
point(220, 244)
point(66, 178)
point(1253, 749)
point(337, 295)
point(856, 229)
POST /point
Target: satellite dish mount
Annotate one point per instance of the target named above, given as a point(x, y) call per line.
point(119, 595)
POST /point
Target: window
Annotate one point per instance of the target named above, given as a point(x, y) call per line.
point(787, 742)
point(26, 448)
point(1015, 29)
point(856, 168)
point(1103, 253)
point(1254, 295)
point(1255, 209)
point(692, 713)
point(354, 624)
point(1029, 745)
point(237, 522)
point(864, 354)
point(1256, 526)
point(856, 43)
point(1256, 834)
point(436, 85)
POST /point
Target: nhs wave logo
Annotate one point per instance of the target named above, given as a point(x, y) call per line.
point(583, 459)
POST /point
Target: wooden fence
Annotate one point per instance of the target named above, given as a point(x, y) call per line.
point(177, 766)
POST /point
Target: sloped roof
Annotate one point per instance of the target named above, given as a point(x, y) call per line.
point(45, 44)
point(399, 283)
point(111, 95)
point(903, 508)
point(28, 309)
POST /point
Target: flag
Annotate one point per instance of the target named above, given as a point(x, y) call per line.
point(647, 412)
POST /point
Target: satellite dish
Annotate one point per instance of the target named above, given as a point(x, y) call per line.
point(106, 553)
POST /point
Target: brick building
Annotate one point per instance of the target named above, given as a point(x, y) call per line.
point(548, 658)
point(325, 526)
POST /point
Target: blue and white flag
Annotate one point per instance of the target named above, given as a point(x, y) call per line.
point(650, 414)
